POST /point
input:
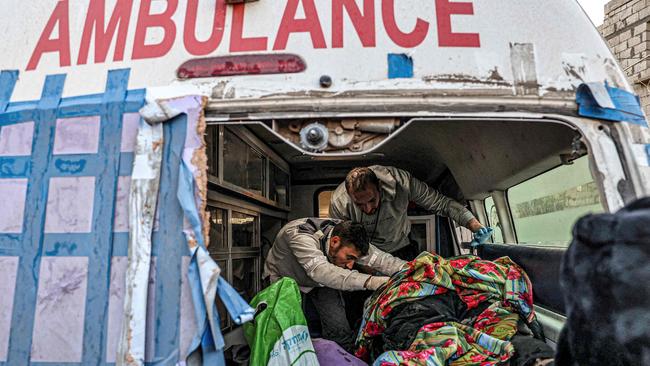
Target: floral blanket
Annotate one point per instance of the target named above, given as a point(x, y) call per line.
point(483, 341)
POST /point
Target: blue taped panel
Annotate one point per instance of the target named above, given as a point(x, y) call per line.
point(8, 80)
point(96, 245)
point(627, 105)
point(169, 242)
point(126, 163)
point(10, 118)
point(27, 277)
point(399, 66)
point(121, 244)
point(105, 193)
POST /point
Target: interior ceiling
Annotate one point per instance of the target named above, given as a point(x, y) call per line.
point(481, 155)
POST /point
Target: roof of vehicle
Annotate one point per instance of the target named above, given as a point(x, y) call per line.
point(507, 47)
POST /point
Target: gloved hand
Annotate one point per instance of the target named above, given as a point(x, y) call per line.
point(375, 282)
point(482, 235)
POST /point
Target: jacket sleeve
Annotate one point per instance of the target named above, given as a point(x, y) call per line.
point(382, 261)
point(431, 199)
point(319, 269)
point(336, 212)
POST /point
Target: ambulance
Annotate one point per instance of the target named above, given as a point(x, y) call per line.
point(150, 150)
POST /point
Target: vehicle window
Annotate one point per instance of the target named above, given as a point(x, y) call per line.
point(218, 230)
point(234, 245)
point(224, 317)
point(493, 220)
point(242, 165)
point(545, 208)
point(212, 149)
point(278, 185)
point(324, 203)
point(243, 230)
point(243, 277)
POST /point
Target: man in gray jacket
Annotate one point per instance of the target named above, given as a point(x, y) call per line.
point(319, 254)
point(378, 198)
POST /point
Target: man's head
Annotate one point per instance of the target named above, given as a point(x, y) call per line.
point(348, 243)
point(362, 186)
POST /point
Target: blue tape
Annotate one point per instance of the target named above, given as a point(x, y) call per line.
point(97, 245)
point(647, 152)
point(8, 80)
point(169, 242)
point(106, 171)
point(593, 104)
point(399, 66)
point(211, 344)
point(32, 237)
point(14, 167)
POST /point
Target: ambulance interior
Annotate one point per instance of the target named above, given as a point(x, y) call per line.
point(528, 179)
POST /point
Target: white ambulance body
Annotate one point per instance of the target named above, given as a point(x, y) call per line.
point(516, 108)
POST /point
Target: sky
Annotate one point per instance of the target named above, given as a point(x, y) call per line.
point(595, 10)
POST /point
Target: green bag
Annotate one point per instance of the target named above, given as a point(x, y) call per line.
point(278, 336)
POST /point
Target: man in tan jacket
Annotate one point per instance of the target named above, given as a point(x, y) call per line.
point(378, 198)
point(319, 254)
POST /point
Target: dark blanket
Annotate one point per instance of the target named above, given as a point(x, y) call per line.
point(407, 318)
point(606, 284)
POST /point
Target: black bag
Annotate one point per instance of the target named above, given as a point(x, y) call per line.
point(605, 277)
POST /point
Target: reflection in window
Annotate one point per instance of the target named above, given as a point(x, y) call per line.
point(545, 208)
point(324, 198)
point(279, 185)
point(493, 220)
point(243, 230)
point(419, 235)
point(242, 166)
point(218, 230)
point(243, 277)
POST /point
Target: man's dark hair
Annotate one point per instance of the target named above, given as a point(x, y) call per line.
point(359, 178)
point(352, 234)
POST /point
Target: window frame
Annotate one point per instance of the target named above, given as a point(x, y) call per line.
point(234, 253)
point(489, 222)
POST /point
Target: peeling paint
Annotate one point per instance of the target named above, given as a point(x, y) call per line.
point(494, 79)
point(524, 68)
point(145, 182)
point(608, 169)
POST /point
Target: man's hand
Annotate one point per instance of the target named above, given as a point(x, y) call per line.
point(375, 282)
point(474, 225)
point(482, 235)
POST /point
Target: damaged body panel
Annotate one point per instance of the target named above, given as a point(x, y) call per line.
point(106, 232)
point(145, 181)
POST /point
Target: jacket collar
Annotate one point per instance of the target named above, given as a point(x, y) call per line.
point(321, 229)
